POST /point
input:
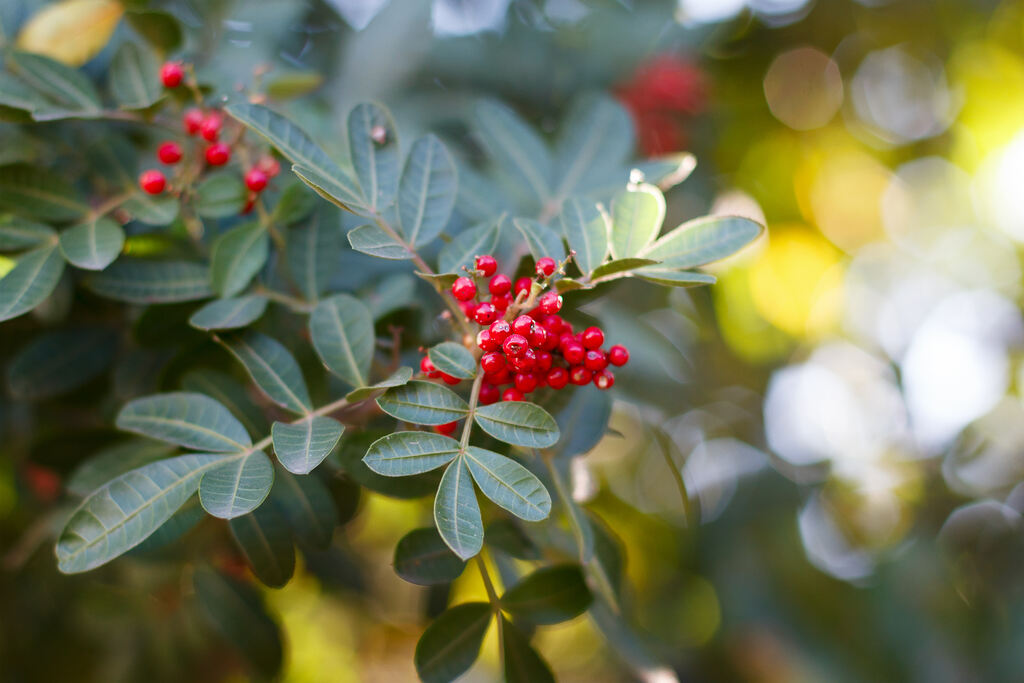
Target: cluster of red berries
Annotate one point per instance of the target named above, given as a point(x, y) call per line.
point(529, 351)
point(661, 95)
point(207, 125)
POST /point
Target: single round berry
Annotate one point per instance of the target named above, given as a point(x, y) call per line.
point(580, 375)
point(523, 284)
point(487, 265)
point(152, 182)
point(523, 325)
point(485, 313)
point(500, 329)
point(492, 363)
point(499, 378)
point(256, 180)
point(574, 353)
point(269, 165)
point(515, 345)
point(527, 361)
point(595, 360)
point(192, 120)
point(553, 324)
point(592, 338)
point(618, 355)
point(525, 382)
point(172, 74)
point(544, 360)
point(489, 393)
point(448, 379)
point(218, 154)
point(550, 342)
point(499, 285)
point(447, 429)
point(558, 378)
point(501, 301)
point(546, 266)
point(604, 379)
point(169, 152)
point(539, 337)
point(209, 129)
point(463, 289)
point(485, 340)
point(512, 394)
point(428, 367)
point(468, 308)
point(550, 303)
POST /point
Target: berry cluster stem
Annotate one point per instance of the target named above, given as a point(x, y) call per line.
point(474, 398)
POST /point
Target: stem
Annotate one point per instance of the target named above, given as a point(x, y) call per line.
point(677, 476)
point(322, 410)
point(292, 302)
point(492, 596)
point(109, 205)
point(474, 398)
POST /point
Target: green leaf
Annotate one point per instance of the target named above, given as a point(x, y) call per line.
point(519, 423)
point(186, 419)
point(452, 643)
point(583, 422)
point(423, 403)
point(350, 455)
point(426, 194)
point(668, 171)
point(581, 527)
point(314, 252)
point(703, 240)
point(541, 240)
point(522, 663)
point(152, 210)
point(507, 535)
point(467, 245)
point(296, 203)
point(93, 245)
point(516, 148)
point(306, 504)
point(404, 453)
point(39, 194)
point(333, 190)
point(681, 278)
point(237, 256)
point(68, 87)
point(16, 233)
point(300, 149)
point(586, 229)
point(301, 446)
point(567, 284)
point(509, 484)
point(16, 95)
point(237, 486)
point(122, 513)
point(265, 540)
point(292, 84)
point(396, 379)
point(273, 369)
point(25, 286)
point(371, 239)
point(152, 282)
point(608, 565)
point(549, 595)
point(421, 557)
point(596, 135)
point(457, 512)
point(637, 215)
point(221, 195)
point(342, 331)
point(390, 294)
point(227, 314)
point(376, 161)
point(230, 393)
point(134, 77)
point(453, 359)
point(112, 462)
point(180, 523)
point(160, 29)
point(618, 267)
point(57, 362)
point(479, 198)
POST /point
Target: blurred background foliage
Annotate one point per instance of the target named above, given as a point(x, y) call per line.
point(844, 405)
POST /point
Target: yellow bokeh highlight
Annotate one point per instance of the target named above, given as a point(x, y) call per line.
point(699, 613)
point(73, 31)
point(6, 265)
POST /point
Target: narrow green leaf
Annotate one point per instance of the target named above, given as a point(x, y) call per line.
point(421, 557)
point(314, 252)
point(57, 362)
point(423, 403)
point(507, 535)
point(522, 663)
point(509, 484)
point(134, 77)
point(668, 171)
point(372, 240)
point(457, 512)
point(93, 245)
point(583, 422)
point(122, 513)
point(230, 393)
point(453, 359)
point(404, 453)
point(677, 278)
point(35, 275)
point(703, 240)
point(237, 256)
point(342, 332)
point(596, 134)
point(301, 446)
point(549, 595)
point(67, 86)
point(373, 144)
point(112, 462)
point(467, 245)
point(17, 233)
point(333, 190)
point(306, 504)
point(227, 314)
point(152, 210)
point(619, 267)
point(16, 95)
point(186, 419)
point(516, 148)
point(426, 194)
point(541, 240)
point(586, 229)
point(152, 282)
point(637, 215)
point(273, 369)
point(567, 284)
point(265, 540)
point(519, 423)
point(39, 194)
point(221, 195)
point(396, 379)
point(237, 486)
point(452, 643)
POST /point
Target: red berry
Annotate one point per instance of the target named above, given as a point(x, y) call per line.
point(500, 329)
point(539, 337)
point(250, 203)
point(169, 152)
point(501, 301)
point(485, 340)
point(544, 360)
point(604, 379)
point(499, 378)
point(218, 154)
point(546, 266)
point(574, 353)
point(448, 379)
point(486, 265)
point(580, 375)
point(512, 394)
point(256, 180)
point(523, 284)
point(152, 182)
point(269, 165)
point(171, 74)
point(515, 345)
point(550, 342)
point(209, 129)
point(463, 289)
point(618, 355)
point(468, 307)
point(192, 120)
point(489, 394)
point(558, 378)
point(553, 324)
point(428, 367)
point(492, 363)
point(550, 303)
point(485, 313)
point(592, 338)
point(447, 429)
point(523, 325)
point(500, 284)
point(525, 382)
point(525, 362)
point(595, 360)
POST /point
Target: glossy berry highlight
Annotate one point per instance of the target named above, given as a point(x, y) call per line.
point(463, 289)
